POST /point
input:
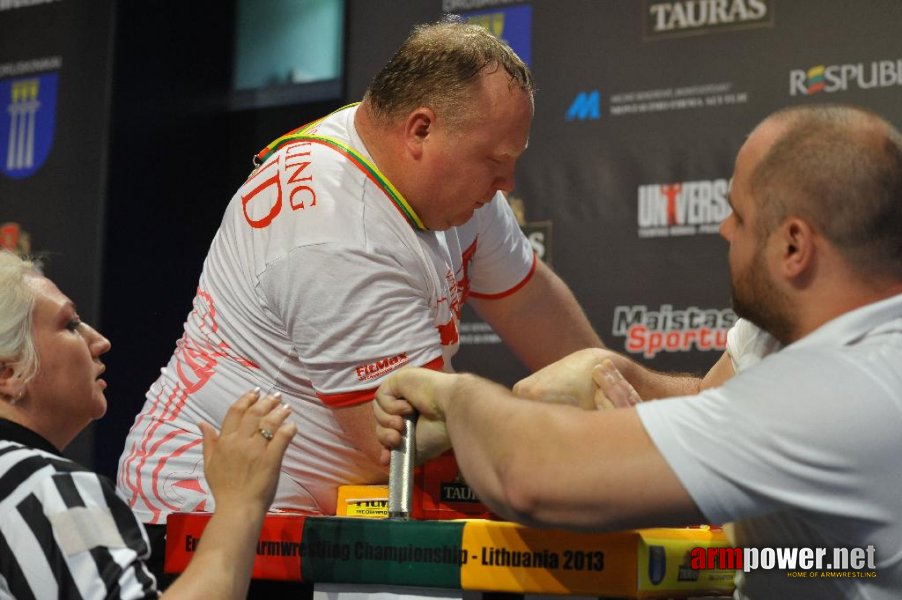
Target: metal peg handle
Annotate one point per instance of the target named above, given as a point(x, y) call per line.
point(400, 472)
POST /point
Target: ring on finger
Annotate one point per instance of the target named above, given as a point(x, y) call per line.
point(266, 433)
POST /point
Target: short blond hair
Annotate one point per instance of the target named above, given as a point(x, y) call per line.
point(17, 349)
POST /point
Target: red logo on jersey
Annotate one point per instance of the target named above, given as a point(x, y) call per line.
point(380, 367)
point(263, 203)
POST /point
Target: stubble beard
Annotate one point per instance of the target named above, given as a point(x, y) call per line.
point(756, 299)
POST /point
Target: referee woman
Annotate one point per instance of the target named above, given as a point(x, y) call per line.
point(63, 531)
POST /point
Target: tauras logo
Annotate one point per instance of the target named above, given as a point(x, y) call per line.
point(682, 208)
point(456, 491)
point(671, 17)
point(840, 78)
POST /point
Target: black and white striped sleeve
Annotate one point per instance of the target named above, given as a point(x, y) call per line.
point(65, 534)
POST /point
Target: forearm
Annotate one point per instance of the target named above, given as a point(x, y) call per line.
point(471, 413)
point(540, 323)
point(558, 466)
point(538, 463)
point(570, 380)
point(651, 384)
point(222, 564)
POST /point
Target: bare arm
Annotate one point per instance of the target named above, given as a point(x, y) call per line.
point(242, 468)
point(357, 423)
point(542, 464)
point(570, 379)
point(541, 322)
point(719, 373)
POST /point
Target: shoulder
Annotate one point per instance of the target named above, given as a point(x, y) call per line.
point(18, 462)
point(747, 344)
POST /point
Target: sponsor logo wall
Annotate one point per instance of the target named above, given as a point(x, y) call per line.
point(54, 110)
point(641, 109)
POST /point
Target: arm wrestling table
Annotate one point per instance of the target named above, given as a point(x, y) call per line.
point(362, 552)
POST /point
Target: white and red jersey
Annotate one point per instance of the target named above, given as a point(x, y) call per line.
point(318, 284)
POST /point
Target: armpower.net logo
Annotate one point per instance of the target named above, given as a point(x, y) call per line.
point(798, 563)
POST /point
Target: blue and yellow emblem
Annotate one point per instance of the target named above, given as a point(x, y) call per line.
point(511, 24)
point(27, 119)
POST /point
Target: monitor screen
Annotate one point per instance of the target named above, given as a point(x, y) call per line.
point(287, 51)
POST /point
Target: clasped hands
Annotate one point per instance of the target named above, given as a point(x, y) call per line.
point(589, 378)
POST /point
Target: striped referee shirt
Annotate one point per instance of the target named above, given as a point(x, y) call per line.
point(64, 533)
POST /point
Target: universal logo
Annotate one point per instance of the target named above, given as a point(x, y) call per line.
point(682, 208)
point(670, 18)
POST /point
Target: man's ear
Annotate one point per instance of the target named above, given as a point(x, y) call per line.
point(419, 124)
point(797, 247)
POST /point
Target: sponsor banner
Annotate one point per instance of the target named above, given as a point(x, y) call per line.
point(649, 332)
point(503, 556)
point(469, 554)
point(700, 96)
point(511, 24)
point(682, 208)
point(586, 105)
point(26, 123)
point(670, 18)
point(419, 553)
point(877, 74)
point(277, 553)
point(630, 564)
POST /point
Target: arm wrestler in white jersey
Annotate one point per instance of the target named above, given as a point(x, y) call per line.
point(348, 254)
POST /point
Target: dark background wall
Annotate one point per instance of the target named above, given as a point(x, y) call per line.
point(55, 208)
point(150, 143)
point(178, 153)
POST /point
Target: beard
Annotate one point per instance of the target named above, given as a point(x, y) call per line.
point(756, 299)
